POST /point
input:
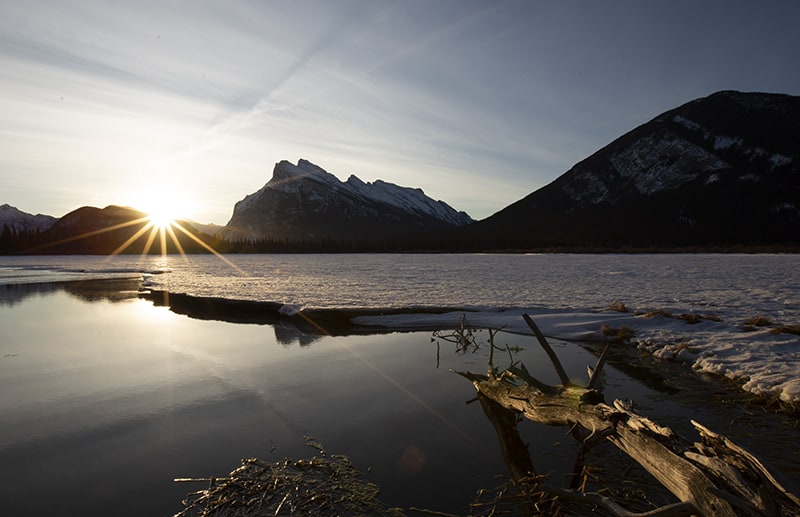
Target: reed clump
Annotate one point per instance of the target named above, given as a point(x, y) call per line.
point(617, 306)
point(619, 334)
point(787, 329)
point(691, 318)
point(322, 485)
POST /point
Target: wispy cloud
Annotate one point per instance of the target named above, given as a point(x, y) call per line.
point(477, 103)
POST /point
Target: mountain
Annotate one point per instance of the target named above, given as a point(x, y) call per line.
point(18, 221)
point(209, 229)
point(723, 170)
point(92, 230)
point(113, 229)
point(304, 202)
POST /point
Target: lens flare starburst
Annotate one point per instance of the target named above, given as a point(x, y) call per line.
point(157, 228)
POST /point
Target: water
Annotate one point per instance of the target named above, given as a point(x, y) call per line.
point(730, 285)
point(106, 398)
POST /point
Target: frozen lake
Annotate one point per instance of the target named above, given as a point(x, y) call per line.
point(729, 285)
point(106, 398)
point(565, 291)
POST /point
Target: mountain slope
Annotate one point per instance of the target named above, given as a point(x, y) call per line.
point(18, 221)
point(721, 170)
point(113, 229)
point(304, 201)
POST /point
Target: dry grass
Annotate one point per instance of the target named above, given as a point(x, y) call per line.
point(619, 334)
point(317, 486)
point(617, 306)
point(787, 329)
point(758, 321)
point(663, 314)
point(690, 318)
point(750, 324)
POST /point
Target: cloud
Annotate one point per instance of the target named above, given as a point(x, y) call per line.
point(478, 104)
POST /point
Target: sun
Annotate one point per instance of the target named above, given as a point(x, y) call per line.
point(162, 216)
point(163, 207)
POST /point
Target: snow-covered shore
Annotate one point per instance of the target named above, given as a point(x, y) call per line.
point(767, 362)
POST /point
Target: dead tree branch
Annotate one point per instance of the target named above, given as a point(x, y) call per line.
point(712, 477)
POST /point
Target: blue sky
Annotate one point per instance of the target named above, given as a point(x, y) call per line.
point(478, 103)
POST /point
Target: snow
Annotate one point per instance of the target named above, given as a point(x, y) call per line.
point(20, 221)
point(289, 178)
point(767, 363)
point(567, 295)
point(779, 160)
point(409, 199)
point(285, 176)
point(644, 163)
point(689, 124)
point(722, 142)
point(750, 178)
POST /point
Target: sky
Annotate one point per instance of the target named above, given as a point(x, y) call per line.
point(479, 103)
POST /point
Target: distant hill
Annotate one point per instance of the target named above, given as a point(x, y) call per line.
point(20, 230)
point(103, 231)
point(723, 170)
point(14, 220)
point(304, 202)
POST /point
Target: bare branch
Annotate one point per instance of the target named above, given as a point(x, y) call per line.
point(550, 353)
point(594, 378)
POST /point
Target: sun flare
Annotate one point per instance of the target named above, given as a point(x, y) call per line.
point(162, 218)
point(163, 207)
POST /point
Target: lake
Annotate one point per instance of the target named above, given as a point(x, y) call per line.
point(106, 397)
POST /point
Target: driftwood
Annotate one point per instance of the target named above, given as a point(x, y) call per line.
point(712, 477)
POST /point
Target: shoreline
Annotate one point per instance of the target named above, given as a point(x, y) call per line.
point(722, 249)
point(579, 327)
point(322, 321)
point(763, 360)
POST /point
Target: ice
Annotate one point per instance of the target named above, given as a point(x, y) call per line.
point(566, 294)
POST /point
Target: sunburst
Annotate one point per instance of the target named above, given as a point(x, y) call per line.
point(157, 223)
point(162, 226)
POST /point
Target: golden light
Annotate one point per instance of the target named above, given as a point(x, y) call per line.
point(163, 210)
point(163, 206)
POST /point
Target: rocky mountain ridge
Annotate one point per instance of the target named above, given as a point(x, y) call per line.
point(721, 170)
point(14, 220)
point(304, 201)
point(718, 172)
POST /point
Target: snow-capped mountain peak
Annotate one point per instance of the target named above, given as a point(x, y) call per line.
point(19, 221)
point(305, 201)
point(409, 199)
point(286, 175)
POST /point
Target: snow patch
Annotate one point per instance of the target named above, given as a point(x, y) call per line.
point(19, 221)
point(645, 162)
point(722, 142)
point(785, 207)
point(767, 363)
point(750, 178)
point(779, 160)
point(586, 186)
point(688, 124)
